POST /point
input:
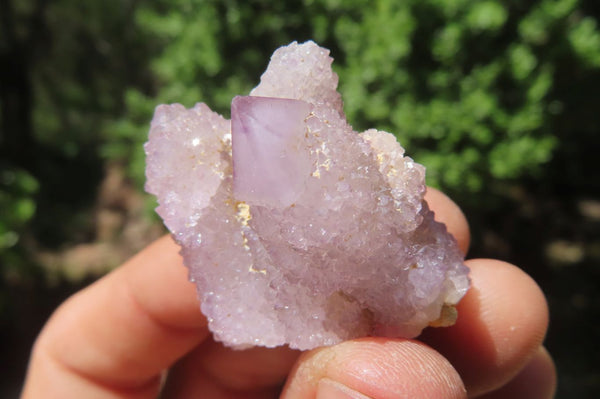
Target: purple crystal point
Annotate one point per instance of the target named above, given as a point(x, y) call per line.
point(270, 159)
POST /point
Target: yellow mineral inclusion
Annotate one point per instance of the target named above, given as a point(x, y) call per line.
point(448, 316)
point(245, 242)
point(243, 216)
point(325, 165)
point(243, 213)
point(251, 269)
point(392, 170)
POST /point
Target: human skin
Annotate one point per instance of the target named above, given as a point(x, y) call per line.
point(138, 333)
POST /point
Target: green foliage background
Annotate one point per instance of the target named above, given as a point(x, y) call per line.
point(472, 116)
point(497, 98)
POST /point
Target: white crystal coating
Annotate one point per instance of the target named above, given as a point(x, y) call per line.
point(303, 72)
point(309, 233)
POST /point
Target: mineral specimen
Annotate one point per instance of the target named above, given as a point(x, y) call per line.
point(296, 229)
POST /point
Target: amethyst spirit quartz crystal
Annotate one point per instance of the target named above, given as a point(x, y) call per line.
point(297, 230)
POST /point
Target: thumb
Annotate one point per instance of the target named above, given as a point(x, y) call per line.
point(374, 368)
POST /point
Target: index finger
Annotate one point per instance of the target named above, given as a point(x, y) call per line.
point(447, 212)
point(502, 321)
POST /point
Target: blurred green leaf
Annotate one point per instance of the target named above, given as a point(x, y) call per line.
point(585, 39)
point(522, 60)
point(486, 15)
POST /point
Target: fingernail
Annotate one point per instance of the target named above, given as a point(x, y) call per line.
point(329, 389)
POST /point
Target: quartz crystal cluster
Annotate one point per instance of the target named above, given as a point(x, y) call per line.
point(296, 229)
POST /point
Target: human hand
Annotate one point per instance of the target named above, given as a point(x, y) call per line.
point(117, 338)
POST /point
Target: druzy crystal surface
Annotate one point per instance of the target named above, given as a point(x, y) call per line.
point(296, 229)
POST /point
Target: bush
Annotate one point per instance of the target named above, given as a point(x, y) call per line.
point(472, 89)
